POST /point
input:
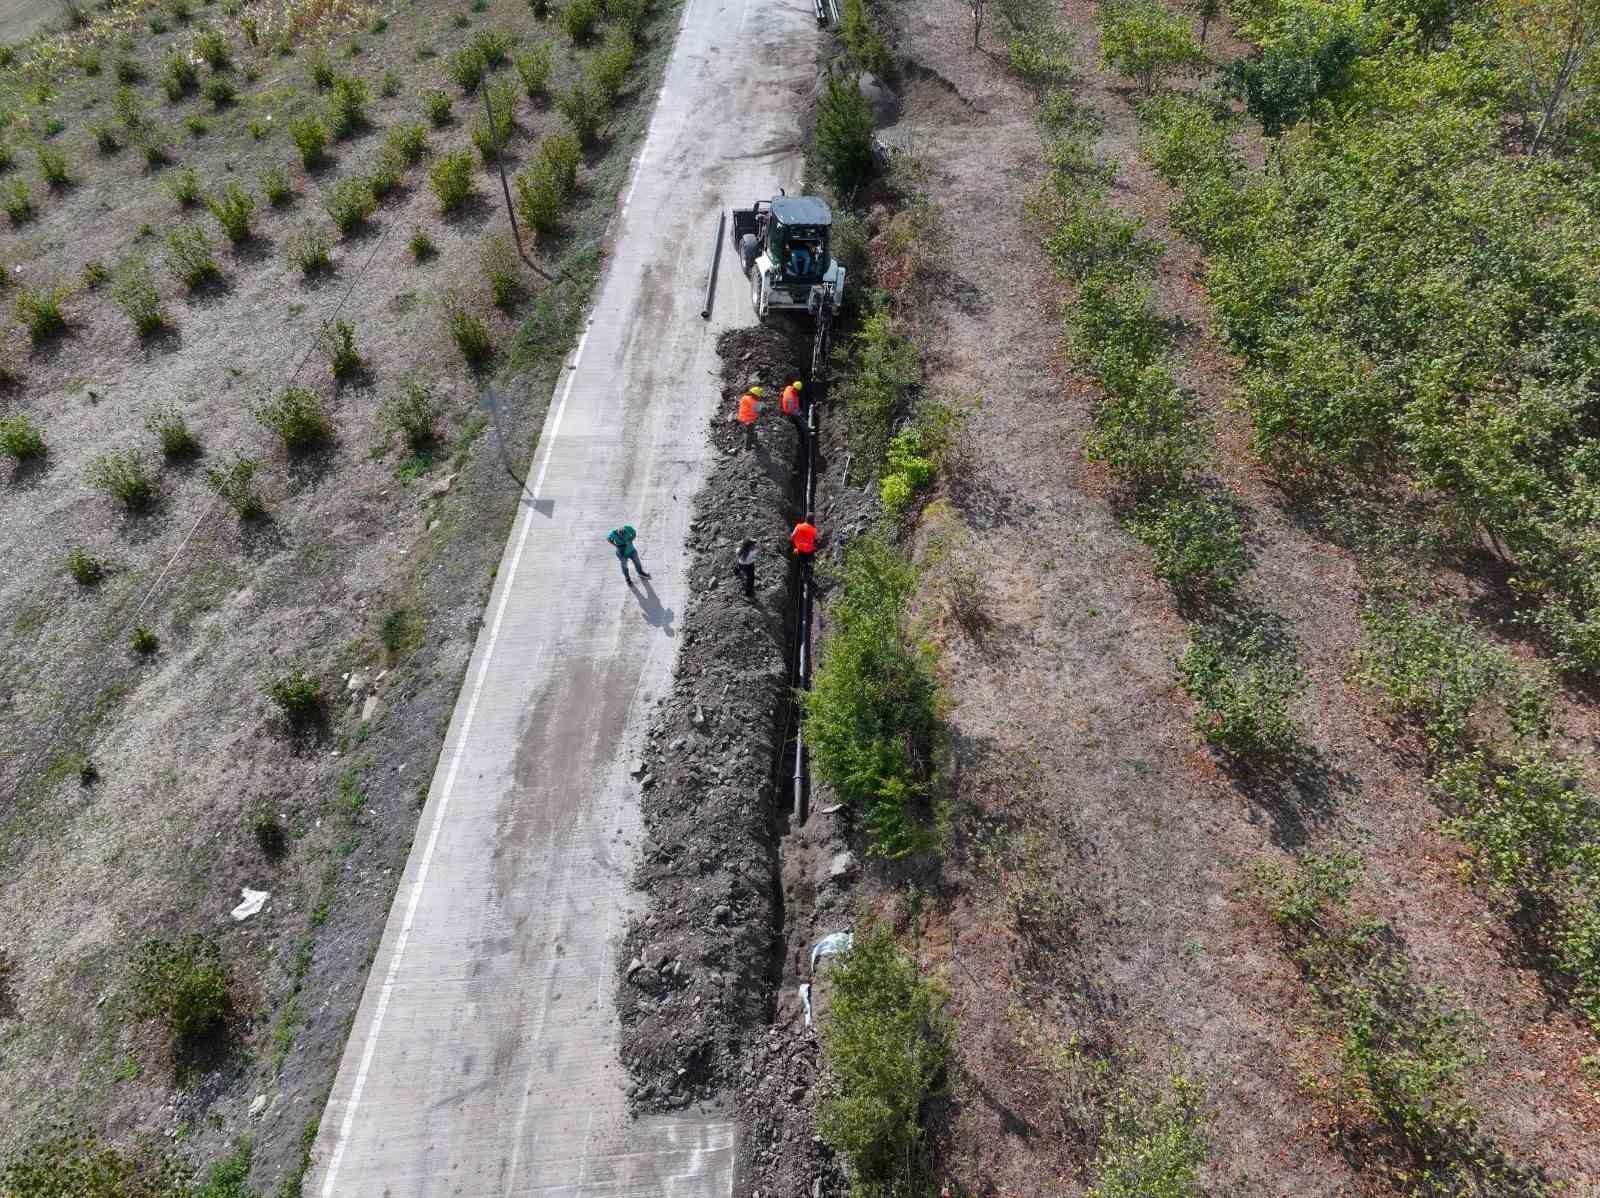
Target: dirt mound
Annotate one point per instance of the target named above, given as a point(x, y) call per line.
point(698, 968)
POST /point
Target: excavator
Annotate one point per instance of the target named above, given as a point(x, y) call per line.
point(783, 248)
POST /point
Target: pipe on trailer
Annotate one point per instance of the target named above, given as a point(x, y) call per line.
point(716, 260)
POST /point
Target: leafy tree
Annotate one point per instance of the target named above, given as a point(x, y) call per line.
point(1207, 11)
point(1307, 60)
point(1549, 46)
point(1145, 41)
point(844, 136)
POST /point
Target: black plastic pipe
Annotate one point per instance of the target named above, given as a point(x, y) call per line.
point(716, 260)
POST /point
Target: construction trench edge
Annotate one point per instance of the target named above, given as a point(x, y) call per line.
point(708, 972)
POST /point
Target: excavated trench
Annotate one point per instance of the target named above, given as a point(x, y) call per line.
point(700, 967)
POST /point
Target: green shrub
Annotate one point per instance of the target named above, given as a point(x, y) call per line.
point(212, 47)
point(144, 642)
point(41, 313)
point(321, 70)
point(1431, 666)
point(1153, 1145)
point(350, 202)
point(1040, 56)
point(185, 187)
point(53, 167)
point(339, 345)
point(390, 86)
point(414, 414)
point(135, 293)
point(466, 68)
point(421, 245)
point(219, 89)
point(233, 209)
point(173, 432)
point(437, 103)
point(540, 199)
point(105, 139)
point(885, 373)
point(299, 418)
point(872, 716)
point(1307, 61)
point(20, 438)
point(347, 107)
point(311, 139)
point(308, 249)
point(491, 136)
point(127, 69)
point(184, 985)
point(77, 1164)
point(578, 19)
point(189, 256)
point(467, 328)
point(907, 471)
point(122, 474)
point(1088, 236)
point(1242, 687)
point(85, 568)
point(153, 146)
point(298, 697)
point(610, 64)
point(130, 110)
point(179, 76)
point(18, 201)
point(845, 129)
point(179, 10)
point(232, 483)
point(584, 109)
point(407, 142)
point(89, 60)
point(503, 269)
point(451, 178)
point(886, 1042)
point(276, 187)
point(1147, 42)
point(1197, 540)
point(534, 69)
point(492, 47)
point(197, 126)
point(867, 46)
point(1147, 433)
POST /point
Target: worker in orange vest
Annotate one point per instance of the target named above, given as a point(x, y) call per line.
point(790, 403)
point(804, 539)
point(749, 409)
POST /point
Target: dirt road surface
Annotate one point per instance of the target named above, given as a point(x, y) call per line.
point(482, 1060)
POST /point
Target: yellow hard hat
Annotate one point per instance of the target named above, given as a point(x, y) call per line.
point(797, 384)
point(756, 391)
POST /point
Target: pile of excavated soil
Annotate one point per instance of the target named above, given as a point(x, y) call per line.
point(699, 966)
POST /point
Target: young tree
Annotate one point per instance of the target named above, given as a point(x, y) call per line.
point(844, 136)
point(1207, 11)
point(1145, 41)
point(1549, 47)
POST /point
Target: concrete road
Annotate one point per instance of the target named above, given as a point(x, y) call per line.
point(483, 1059)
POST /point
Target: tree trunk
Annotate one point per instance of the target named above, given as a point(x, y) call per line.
point(1205, 24)
point(977, 21)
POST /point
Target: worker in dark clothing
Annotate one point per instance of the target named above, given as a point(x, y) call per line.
point(745, 566)
point(804, 540)
point(621, 540)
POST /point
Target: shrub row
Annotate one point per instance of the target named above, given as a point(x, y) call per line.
point(872, 717)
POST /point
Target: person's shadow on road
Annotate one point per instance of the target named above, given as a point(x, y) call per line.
point(654, 614)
